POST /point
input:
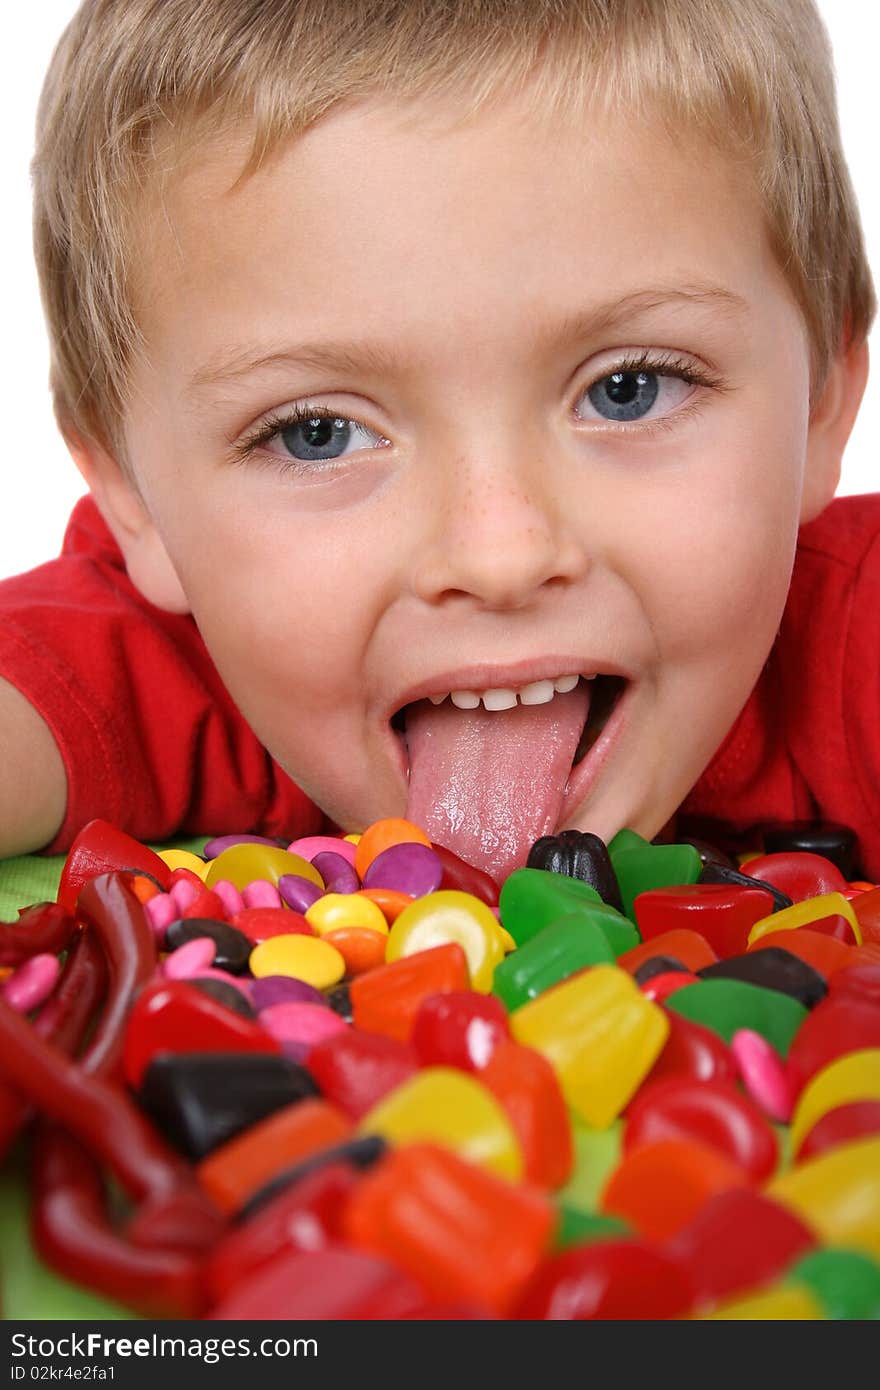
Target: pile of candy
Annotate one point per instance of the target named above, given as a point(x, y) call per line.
point(349, 1078)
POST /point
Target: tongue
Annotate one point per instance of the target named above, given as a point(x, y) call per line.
point(486, 784)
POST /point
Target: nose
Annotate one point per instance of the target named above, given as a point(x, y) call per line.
point(501, 529)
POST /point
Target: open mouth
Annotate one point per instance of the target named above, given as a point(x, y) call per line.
point(605, 693)
point(488, 771)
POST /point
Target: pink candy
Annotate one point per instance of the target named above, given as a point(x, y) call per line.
point(229, 896)
point(763, 1074)
point(183, 895)
point(32, 983)
point(161, 911)
point(301, 1023)
point(261, 893)
point(192, 958)
point(311, 845)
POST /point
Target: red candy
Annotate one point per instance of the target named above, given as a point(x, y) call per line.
point(692, 1050)
point(843, 1125)
point(739, 1240)
point(709, 1112)
point(526, 1085)
point(610, 1279)
point(800, 875)
point(173, 1016)
point(723, 914)
point(100, 848)
point(839, 1024)
point(459, 1029)
point(356, 1069)
point(322, 1284)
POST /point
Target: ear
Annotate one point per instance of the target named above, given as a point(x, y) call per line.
point(831, 421)
point(147, 561)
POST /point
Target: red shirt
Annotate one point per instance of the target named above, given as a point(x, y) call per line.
point(152, 741)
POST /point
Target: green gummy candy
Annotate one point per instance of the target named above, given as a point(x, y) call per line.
point(533, 898)
point(619, 931)
point(569, 944)
point(627, 839)
point(640, 868)
point(846, 1283)
point(726, 1005)
point(578, 1227)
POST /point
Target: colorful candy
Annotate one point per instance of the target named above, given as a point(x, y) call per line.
point(417, 1096)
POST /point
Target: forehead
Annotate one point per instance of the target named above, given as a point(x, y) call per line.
point(404, 221)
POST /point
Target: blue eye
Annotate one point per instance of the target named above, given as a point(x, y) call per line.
point(309, 435)
point(638, 390)
point(321, 437)
point(625, 395)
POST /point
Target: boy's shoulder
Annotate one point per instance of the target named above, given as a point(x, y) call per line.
point(847, 531)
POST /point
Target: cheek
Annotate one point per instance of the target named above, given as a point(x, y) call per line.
point(715, 542)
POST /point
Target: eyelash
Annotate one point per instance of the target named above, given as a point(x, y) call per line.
point(661, 364)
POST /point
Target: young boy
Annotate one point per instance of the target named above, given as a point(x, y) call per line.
point(451, 382)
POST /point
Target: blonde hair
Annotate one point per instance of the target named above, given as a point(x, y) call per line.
point(754, 76)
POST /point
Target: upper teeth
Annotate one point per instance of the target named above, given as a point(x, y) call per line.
point(537, 693)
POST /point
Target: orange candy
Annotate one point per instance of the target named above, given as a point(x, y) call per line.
point(387, 1000)
point(525, 1084)
point(825, 953)
point(660, 1187)
point(381, 835)
point(360, 948)
point(390, 901)
point(143, 888)
point(461, 1231)
point(866, 906)
point(238, 1169)
point(692, 949)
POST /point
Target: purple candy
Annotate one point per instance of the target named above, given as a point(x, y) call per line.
point(283, 989)
point(338, 874)
point(299, 893)
point(222, 842)
point(410, 868)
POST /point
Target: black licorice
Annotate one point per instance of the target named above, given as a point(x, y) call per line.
point(717, 873)
point(200, 1099)
point(772, 968)
point(835, 842)
point(578, 854)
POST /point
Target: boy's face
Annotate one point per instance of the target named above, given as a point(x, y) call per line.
point(567, 397)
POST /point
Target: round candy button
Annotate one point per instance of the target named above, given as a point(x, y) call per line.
point(301, 957)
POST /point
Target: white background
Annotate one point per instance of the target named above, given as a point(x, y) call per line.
point(40, 483)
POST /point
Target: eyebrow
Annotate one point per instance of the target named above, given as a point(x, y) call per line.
point(377, 360)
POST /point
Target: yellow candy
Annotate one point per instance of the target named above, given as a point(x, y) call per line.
point(601, 1036)
point(337, 910)
point(241, 864)
point(837, 1195)
point(802, 914)
point(450, 915)
point(445, 1106)
point(505, 938)
point(301, 957)
point(854, 1076)
point(790, 1303)
point(352, 839)
point(184, 859)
